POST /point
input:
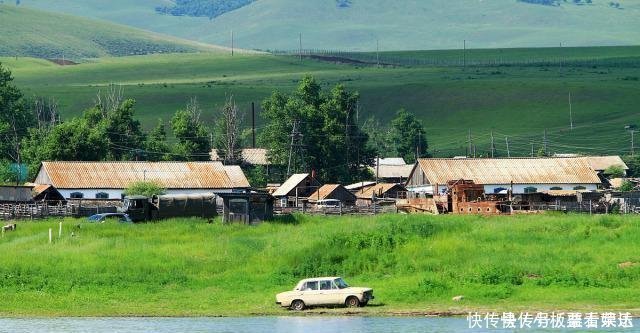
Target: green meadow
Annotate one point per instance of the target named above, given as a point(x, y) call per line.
point(415, 264)
point(516, 101)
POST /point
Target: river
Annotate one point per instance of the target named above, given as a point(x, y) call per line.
point(260, 325)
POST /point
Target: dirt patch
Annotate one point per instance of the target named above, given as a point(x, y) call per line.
point(343, 60)
point(627, 264)
point(62, 62)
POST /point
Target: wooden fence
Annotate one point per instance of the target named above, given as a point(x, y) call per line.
point(14, 211)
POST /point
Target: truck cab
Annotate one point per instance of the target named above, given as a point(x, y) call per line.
point(137, 207)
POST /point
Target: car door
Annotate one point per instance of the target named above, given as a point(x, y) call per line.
point(327, 293)
point(311, 293)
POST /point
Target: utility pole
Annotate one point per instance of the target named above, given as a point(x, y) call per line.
point(253, 123)
point(377, 167)
point(470, 144)
point(531, 148)
point(506, 138)
point(493, 146)
point(232, 43)
point(633, 148)
point(296, 147)
point(570, 112)
point(378, 52)
point(544, 138)
point(300, 46)
point(464, 55)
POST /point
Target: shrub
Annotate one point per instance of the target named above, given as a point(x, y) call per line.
point(147, 189)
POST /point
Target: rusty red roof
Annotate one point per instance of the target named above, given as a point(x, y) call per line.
point(119, 175)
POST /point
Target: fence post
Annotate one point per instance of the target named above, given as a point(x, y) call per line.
point(60, 230)
point(50, 238)
point(590, 208)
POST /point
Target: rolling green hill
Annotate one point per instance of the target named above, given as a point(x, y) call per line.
point(398, 25)
point(40, 34)
point(517, 100)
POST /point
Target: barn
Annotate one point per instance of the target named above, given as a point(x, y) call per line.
point(520, 175)
point(333, 192)
point(108, 180)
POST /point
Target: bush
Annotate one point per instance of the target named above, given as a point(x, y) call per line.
point(147, 189)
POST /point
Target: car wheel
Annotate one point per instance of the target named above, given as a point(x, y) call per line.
point(352, 302)
point(297, 305)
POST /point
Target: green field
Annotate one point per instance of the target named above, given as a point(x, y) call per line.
point(414, 263)
point(399, 25)
point(514, 100)
point(40, 34)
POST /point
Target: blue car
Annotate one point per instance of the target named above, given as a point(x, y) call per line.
point(101, 218)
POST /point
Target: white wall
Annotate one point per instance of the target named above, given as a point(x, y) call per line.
point(517, 188)
point(117, 193)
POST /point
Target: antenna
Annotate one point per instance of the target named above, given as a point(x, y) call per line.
point(506, 138)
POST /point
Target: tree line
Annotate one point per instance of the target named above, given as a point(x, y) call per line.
point(308, 130)
point(202, 8)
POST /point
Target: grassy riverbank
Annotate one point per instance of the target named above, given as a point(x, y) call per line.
point(414, 263)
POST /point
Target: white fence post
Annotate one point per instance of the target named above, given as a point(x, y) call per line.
point(60, 230)
point(50, 238)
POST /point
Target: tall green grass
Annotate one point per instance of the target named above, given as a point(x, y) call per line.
point(417, 263)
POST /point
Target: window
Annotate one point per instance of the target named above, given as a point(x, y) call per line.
point(579, 188)
point(325, 285)
point(556, 188)
point(77, 195)
point(311, 285)
point(530, 189)
point(102, 195)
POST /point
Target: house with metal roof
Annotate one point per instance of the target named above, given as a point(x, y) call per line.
point(391, 170)
point(108, 180)
point(380, 192)
point(250, 156)
point(333, 192)
point(298, 186)
point(520, 175)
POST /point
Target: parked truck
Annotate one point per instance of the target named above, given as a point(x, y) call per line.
point(142, 208)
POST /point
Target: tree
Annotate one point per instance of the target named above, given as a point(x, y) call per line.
point(15, 119)
point(124, 133)
point(409, 136)
point(315, 131)
point(147, 189)
point(156, 146)
point(228, 133)
point(193, 138)
point(614, 171)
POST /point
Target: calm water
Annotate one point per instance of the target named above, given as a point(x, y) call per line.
point(255, 325)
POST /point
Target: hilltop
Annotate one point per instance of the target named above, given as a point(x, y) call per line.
point(40, 34)
point(357, 24)
point(517, 100)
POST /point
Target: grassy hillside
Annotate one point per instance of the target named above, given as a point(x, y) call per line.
point(414, 263)
point(399, 25)
point(514, 101)
point(35, 33)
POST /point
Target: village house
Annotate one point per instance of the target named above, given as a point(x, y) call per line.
point(335, 192)
point(381, 193)
point(519, 175)
point(108, 180)
point(29, 193)
point(391, 170)
point(298, 186)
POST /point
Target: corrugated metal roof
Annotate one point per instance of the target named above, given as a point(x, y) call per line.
point(379, 190)
point(392, 171)
point(119, 175)
point(357, 186)
point(290, 184)
point(236, 175)
point(601, 163)
point(505, 170)
point(392, 161)
point(323, 192)
point(255, 156)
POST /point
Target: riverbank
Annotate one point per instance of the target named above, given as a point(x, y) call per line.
point(415, 264)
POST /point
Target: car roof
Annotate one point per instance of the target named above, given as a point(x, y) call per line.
point(321, 278)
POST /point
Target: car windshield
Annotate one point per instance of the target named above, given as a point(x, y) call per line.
point(341, 284)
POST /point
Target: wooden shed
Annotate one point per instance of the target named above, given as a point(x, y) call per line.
point(335, 192)
point(246, 207)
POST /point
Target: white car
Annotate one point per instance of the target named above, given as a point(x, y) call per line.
point(324, 291)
